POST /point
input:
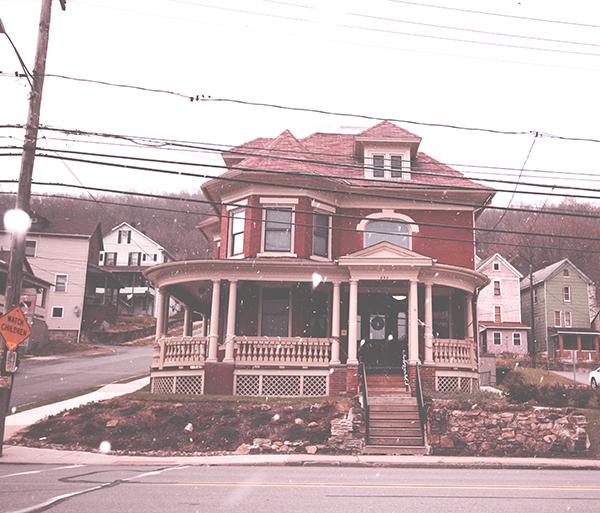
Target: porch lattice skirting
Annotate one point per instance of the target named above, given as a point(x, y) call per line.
point(183, 382)
point(456, 382)
point(281, 384)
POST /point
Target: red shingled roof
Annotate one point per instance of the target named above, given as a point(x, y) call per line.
point(337, 157)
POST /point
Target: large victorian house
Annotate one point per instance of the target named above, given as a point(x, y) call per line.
point(330, 252)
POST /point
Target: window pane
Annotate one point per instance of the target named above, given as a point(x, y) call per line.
point(275, 312)
point(517, 339)
point(390, 231)
point(30, 246)
point(396, 164)
point(557, 318)
point(237, 231)
point(497, 338)
point(278, 230)
point(321, 235)
point(378, 163)
point(570, 342)
point(60, 285)
point(587, 342)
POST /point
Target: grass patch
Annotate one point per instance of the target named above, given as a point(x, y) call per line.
point(593, 430)
point(540, 377)
point(481, 397)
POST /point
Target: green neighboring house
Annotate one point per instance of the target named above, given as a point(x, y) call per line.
point(561, 308)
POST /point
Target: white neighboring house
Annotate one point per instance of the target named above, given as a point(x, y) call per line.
point(499, 308)
point(127, 253)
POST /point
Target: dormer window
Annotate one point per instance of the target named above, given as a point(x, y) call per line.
point(389, 166)
point(378, 166)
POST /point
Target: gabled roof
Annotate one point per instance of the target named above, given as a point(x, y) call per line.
point(387, 129)
point(131, 227)
point(498, 256)
point(387, 253)
point(83, 226)
point(548, 272)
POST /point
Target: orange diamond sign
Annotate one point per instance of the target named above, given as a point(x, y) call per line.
point(14, 328)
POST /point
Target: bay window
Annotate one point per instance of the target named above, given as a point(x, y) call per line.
point(321, 235)
point(237, 232)
point(278, 230)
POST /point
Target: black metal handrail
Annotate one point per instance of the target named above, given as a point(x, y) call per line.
point(365, 397)
point(421, 403)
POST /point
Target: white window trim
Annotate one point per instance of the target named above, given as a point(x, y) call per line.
point(568, 287)
point(560, 318)
point(494, 312)
point(317, 205)
point(387, 165)
point(230, 233)
point(564, 319)
point(494, 264)
point(493, 287)
point(515, 333)
point(62, 312)
point(66, 283)
point(389, 215)
point(237, 204)
point(276, 205)
point(321, 258)
point(279, 202)
point(35, 242)
point(494, 333)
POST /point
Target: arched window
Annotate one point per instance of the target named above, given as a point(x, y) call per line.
point(388, 230)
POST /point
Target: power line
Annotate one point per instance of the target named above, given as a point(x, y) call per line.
point(472, 41)
point(472, 30)
point(453, 203)
point(233, 148)
point(381, 183)
point(337, 215)
point(487, 13)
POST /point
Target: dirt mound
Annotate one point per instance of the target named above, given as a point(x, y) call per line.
point(137, 426)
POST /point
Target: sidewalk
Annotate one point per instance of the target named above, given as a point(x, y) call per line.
point(18, 455)
point(18, 421)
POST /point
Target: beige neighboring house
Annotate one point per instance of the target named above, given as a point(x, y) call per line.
point(34, 294)
point(64, 252)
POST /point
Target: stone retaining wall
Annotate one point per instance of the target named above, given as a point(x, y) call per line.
point(505, 430)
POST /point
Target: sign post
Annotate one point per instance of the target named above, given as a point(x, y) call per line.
point(14, 330)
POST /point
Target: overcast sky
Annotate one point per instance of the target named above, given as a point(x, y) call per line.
point(304, 53)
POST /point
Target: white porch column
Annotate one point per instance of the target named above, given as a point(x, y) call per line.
point(187, 321)
point(428, 323)
point(413, 322)
point(166, 311)
point(353, 324)
point(160, 312)
point(470, 331)
point(213, 336)
point(335, 324)
point(231, 312)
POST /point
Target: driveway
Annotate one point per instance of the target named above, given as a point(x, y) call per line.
point(580, 376)
point(49, 380)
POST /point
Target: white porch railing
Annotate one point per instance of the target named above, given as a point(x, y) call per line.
point(179, 351)
point(296, 351)
point(456, 352)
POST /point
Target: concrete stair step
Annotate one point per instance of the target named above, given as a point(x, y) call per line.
point(395, 450)
point(408, 415)
point(412, 432)
point(393, 407)
point(391, 400)
point(409, 441)
point(395, 424)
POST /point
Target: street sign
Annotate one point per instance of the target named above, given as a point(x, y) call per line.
point(14, 328)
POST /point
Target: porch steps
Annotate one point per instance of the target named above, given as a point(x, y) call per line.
point(394, 421)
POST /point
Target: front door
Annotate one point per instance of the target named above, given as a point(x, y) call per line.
point(383, 330)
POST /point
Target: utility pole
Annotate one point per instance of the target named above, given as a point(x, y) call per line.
point(531, 339)
point(17, 250)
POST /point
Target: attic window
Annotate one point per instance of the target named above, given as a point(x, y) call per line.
point(496, 266)
point(565, 272)
point(389, 166)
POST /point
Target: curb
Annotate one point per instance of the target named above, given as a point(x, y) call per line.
point(74, 354)
point(28, 455)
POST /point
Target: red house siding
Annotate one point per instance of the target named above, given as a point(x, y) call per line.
point(224, 232)
point(253, 227)
point(303, 228)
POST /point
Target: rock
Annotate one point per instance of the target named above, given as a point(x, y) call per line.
point(178, 405)
point(243, 449)
point(311, 449)
point(275, 418)
point(550, 439)
point(188, 427)
point(265, 407)
point(112, 423)
point(283, 449)
point(507, 434)
point(446, 442)
point(262, 442)
point(312, 425)
point(298, 421)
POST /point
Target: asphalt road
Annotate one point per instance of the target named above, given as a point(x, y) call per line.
point(42, 380)
point(83, 489)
